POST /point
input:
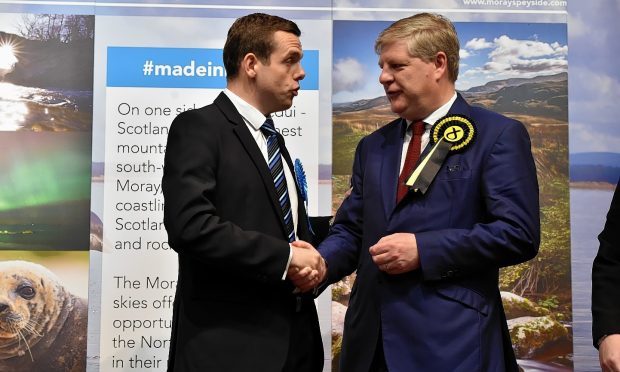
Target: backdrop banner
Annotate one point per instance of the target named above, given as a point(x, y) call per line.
point(88, 91)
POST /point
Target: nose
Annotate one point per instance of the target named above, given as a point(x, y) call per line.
point(385, 77)
point(301, 74)
point(3, 307)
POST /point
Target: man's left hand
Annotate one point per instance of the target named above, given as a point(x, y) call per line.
point(396, 253)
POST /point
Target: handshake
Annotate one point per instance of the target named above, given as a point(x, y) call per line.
point(307, 268)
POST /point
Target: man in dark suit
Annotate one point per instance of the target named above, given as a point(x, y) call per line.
point(232, 209)
point(606, 290)
point(426, 295)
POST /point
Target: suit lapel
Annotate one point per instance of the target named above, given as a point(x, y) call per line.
point(245, 137)
point(390, 165)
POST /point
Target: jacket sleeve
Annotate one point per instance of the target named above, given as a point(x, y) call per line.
point(606, 276)
point(341, 248)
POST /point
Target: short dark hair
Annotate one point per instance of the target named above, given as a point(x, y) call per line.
point(253, 33)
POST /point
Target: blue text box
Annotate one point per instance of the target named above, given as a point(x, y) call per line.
point(182, 68)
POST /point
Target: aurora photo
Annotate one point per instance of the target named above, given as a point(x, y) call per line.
point(44, 191)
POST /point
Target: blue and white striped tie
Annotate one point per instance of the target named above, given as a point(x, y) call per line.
point(277, 172)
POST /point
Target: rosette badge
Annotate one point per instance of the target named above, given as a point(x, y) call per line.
point(457, 130)
point(300, 175)
point(302, 183)
point(452, 133)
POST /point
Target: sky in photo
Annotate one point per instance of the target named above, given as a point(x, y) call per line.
point(489, 51)
point(594, 77)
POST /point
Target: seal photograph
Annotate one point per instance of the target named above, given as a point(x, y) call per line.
point(42, 324)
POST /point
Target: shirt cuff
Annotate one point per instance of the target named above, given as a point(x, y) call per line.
point(288, 263)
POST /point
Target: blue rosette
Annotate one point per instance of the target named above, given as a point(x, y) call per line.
point(302, 183)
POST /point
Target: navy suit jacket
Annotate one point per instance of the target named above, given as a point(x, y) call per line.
point(480, 213)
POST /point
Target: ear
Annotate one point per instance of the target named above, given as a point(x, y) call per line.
point(249, 64)
point(441, 65)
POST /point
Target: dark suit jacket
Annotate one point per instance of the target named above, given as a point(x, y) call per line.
point(480, 213)
point(606, 276)
point(232, 311)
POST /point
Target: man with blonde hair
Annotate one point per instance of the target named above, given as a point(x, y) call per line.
point(427, 237)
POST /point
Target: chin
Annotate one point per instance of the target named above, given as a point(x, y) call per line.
point(398, 110)
point(287, 105)
point(282, 108)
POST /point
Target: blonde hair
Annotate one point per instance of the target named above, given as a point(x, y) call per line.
point(426, 34)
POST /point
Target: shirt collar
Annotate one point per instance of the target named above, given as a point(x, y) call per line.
point(437, 114)
point(250, 114)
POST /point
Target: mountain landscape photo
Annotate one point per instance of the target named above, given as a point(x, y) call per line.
point(594, 167)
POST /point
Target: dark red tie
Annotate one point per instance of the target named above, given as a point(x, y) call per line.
point(413, 153)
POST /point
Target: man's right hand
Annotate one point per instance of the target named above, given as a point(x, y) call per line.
point(307, 268)
point(609, 353)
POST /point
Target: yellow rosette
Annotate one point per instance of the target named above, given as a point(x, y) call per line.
point(452, 133)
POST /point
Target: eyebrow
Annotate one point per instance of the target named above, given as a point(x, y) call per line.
point(294, 53)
